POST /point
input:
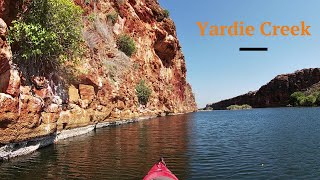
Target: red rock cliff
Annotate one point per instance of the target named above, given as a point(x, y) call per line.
point(104, 89)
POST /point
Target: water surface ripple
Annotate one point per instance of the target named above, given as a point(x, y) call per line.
point(279, 143)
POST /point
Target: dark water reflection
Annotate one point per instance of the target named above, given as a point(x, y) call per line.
point(124, 152)
point(281, 143)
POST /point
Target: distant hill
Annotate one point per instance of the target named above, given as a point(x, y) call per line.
point(276, 93)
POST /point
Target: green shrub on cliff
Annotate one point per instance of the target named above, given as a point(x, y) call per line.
point(143, 92)
point(166, 13)
point(161, 15)
point(126, 44)
point(112, 17)
point(47, 34)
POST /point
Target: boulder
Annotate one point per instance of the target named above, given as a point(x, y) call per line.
point(39, 82)
point(73, 94)
point(87, 92)
point(84, 104)
point(104, 95)
point(121, 105)
point(43, 93)
point(30, 104)
point(41, 87)
point(8, 109)
point(10, 82)
point(25, 90)
point(52, 108)
point(76, 117)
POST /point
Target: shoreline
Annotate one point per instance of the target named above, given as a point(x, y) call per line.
point(12, 150)
point(278, 107)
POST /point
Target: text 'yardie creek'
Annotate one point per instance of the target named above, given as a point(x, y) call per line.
point(266, 29)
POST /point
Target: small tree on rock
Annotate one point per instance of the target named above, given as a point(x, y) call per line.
point(126, 44)
point(143, 92)
point(46, 35)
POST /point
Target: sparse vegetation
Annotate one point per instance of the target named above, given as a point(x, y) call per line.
point(143, 92)
point(136, 66)
point(111, 70)
point(112, 17)
point(126, 44)
point(303, 99)
point(166, 13)
point(45, 36)
point(239, 107)
point(161, 15)
point(207, 108)
point(91, 17)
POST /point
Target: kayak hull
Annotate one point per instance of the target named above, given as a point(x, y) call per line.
point(159, 171)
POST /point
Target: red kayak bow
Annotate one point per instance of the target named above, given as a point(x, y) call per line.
point(159, 171)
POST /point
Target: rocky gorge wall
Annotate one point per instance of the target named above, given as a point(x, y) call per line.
point(276, 93)
point(103, 89)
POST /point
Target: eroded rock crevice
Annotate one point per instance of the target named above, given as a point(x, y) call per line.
point(166, 48)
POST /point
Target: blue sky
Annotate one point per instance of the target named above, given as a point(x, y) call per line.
point(216, 68)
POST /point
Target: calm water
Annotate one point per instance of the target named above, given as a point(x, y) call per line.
point(279, 143)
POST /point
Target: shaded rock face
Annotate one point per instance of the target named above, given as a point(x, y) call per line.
point(10, 82)
point(165, 48)
point(9, 9)
point(9, 77)
point(277, 92)
point(104, 88)
point(5, 57)
point(5, 50)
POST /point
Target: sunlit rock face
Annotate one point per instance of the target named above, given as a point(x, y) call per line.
point(103, 87)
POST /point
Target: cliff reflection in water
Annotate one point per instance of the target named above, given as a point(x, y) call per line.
point(124, 152)
point(272, 143)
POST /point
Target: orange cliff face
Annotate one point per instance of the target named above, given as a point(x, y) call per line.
point(103, 88)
